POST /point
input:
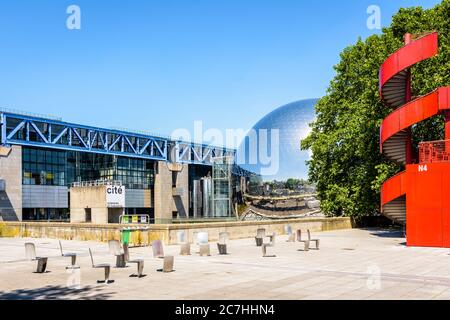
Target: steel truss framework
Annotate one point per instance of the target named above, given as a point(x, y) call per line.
point(199, 154)
point(16, 129)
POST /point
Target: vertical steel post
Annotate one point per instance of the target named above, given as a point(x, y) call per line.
point(3, 128)
point(408, 95)
point(50, 133)
point(447, 132)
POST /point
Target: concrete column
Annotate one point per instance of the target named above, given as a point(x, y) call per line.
point(77, 215)
point(181, 202)
point(11, 174)
point(99, 215)
point(165, 201)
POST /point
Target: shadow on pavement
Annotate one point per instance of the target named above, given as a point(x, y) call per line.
point(56, 293)
point(393, 233)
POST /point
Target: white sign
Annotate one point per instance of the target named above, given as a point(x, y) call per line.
point(115, 197)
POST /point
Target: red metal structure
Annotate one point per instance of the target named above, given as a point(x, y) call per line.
point(417, 196)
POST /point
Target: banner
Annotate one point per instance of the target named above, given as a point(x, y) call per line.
point(115, 197)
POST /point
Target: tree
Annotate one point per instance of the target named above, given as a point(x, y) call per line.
point(292, 184)
point(346, 164)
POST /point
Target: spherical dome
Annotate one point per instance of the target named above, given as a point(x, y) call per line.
point(272, 147)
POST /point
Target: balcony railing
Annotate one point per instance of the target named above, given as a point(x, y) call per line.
point(434, 151)
point(97, 183)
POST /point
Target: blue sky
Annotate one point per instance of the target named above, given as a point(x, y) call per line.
point(161, 65)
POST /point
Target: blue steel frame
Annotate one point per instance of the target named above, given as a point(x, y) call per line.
point(193, 153)
point(16, 129)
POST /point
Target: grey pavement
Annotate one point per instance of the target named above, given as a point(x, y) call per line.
point(351, 264)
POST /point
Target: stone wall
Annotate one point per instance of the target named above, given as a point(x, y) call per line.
point(11, 173)
point(93, 198)
point(167, 233)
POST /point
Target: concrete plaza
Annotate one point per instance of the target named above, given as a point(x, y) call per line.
point(351, 264)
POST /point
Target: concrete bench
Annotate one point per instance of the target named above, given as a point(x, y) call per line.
point(30, 253)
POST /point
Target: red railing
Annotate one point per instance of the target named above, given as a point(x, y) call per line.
point(434, 151)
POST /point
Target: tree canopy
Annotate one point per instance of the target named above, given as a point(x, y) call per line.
point(346, 163)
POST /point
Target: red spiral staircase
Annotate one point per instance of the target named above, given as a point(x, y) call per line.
point(417, 196)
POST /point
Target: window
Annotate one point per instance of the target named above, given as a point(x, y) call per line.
point(62, 168)
point(39, 167)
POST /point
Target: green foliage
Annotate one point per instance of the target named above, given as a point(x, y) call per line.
point(292, 184)
point(346, 164)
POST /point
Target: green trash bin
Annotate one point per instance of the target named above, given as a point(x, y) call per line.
point(126, 237)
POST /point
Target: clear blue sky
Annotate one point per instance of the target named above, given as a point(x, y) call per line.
point(161, 65)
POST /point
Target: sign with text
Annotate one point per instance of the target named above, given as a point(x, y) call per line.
point(115, 196)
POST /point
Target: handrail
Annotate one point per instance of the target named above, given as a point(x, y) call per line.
point(434, 151)
point(391, 66)
point(97, 183)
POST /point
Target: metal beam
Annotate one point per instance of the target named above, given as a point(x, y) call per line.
point(98, 140)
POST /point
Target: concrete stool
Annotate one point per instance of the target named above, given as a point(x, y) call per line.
point(140, 267)
point(205, 250)
point(305, 242)
point(158, 249)
point(316, 241)
point(185, 246)
point(290, 234)
point(139, 262)
point(185, 249)
point(222, 244)
point(268, 245)
point(260, 234)
point(105, 266)
point(71, 255)
point(30, 252)
point(203, 243)
point(167, 264)
point(116, 250)
point(264, 250)
point(222, 247)
point(291, 237)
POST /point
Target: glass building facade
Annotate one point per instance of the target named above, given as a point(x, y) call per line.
point(62, 168)
point(59, 168)
point(43, 157)
point(222, 189)
point(45, 214)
